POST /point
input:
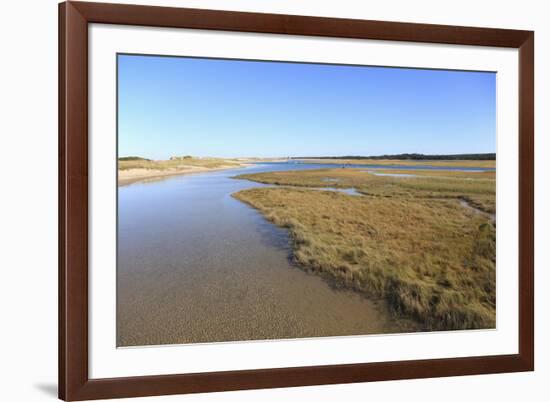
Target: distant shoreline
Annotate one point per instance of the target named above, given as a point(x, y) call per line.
point(146, 170)
point(490, 156)
point(402, 162)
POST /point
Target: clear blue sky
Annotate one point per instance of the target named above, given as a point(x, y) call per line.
point(203, 107)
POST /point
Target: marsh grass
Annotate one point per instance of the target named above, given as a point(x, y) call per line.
point(476, 188)
point(411, 243)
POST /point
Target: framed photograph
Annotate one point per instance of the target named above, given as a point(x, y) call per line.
point(259, 200)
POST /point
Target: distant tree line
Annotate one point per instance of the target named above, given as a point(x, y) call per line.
point(179, 158)
point(132, 158)
point(467, 157)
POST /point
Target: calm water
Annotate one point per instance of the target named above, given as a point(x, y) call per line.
point(196, 265)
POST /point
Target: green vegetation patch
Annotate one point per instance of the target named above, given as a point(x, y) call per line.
point(132, 158)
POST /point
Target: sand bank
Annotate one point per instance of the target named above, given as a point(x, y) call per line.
point(129, 176)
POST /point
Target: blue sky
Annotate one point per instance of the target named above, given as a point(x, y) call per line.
point(212, 107)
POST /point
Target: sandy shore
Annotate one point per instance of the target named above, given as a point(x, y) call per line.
point(129, 176)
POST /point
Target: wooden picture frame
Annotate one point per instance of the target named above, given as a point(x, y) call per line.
point(74, 381)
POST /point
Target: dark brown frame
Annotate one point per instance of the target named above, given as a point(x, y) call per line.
point(74, 17)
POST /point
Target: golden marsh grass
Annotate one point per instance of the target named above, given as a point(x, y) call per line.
point(476, 188)
point(408, 240)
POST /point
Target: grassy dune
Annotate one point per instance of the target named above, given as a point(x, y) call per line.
point(134, 169)
point(139, 163)
point(408, 240)
point(395, 162)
